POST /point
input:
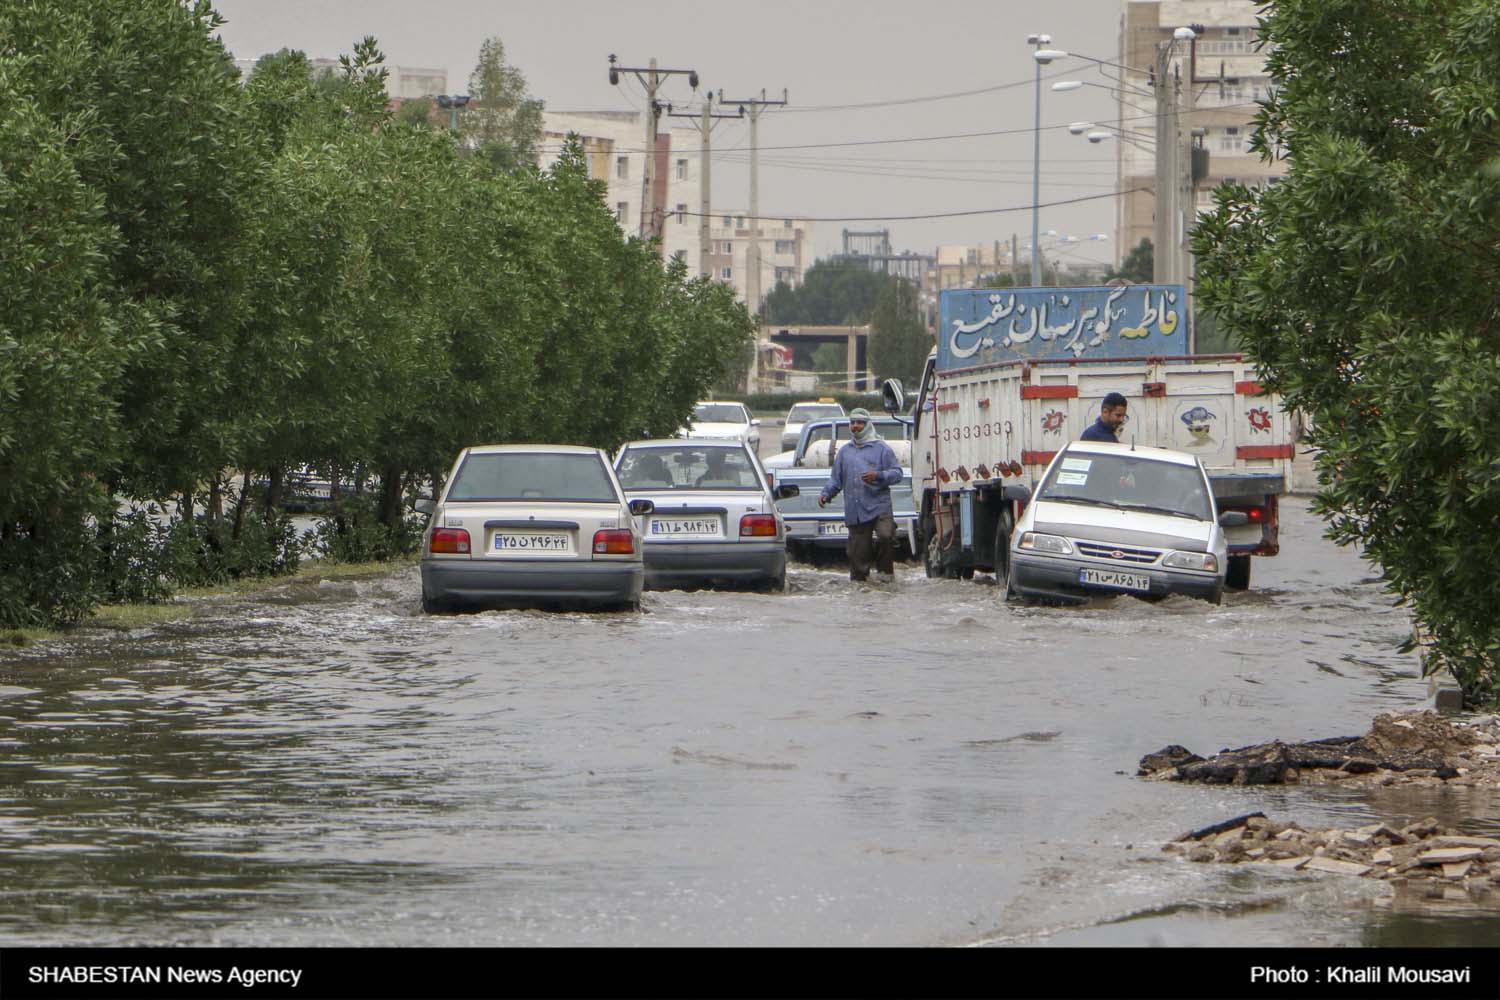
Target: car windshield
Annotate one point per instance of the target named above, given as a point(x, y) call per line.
point(532, 476)
point(687, 468)
point(719, 413)
point(1128, 482)
point(803, 412)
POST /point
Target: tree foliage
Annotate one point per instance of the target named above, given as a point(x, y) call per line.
point(899, 341)
point(200, 278)
point(502, 121)
point(1138, 265)
point(832, 293)
point(1366, 285)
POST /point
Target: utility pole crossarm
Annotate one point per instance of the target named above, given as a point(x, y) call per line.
point(651, 78)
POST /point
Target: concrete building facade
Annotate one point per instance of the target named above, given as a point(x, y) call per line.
point(785, 251)
point(613, 142)
point(1222, 76)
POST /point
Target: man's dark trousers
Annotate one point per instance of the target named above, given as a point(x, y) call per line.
point(872, 542)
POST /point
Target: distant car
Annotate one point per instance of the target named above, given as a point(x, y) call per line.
point(801, 413)
point(714, 518)
point(1119, 519)
point(723, 421)
point(532, 526)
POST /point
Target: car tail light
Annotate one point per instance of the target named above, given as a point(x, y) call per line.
point(1257, 515)
point(614, 542)
point(758, 526)
point(450, 540)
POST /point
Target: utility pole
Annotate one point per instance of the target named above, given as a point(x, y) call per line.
point(650, 78)
point(704, 127)
point(1164, 252)
point(752, 253)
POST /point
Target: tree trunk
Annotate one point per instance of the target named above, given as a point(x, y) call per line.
point(390, 497)
point(273, 492)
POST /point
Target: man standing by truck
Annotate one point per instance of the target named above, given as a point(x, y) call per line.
point(865, 469)
point(1111, 418)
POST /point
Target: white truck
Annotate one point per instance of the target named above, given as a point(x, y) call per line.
point(1016, 373)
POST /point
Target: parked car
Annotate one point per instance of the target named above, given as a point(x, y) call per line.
point(714, 519)
point(723, 421)
point(801, 413)
point(532, 525)
point(1114, 518)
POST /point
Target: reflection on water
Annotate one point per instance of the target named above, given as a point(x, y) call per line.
point(842, 764)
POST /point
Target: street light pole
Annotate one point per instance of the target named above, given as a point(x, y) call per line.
point(1042, 57)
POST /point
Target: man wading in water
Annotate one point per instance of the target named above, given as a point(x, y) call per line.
point(865, 469)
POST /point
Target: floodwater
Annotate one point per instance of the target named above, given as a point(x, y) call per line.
point(914, 764)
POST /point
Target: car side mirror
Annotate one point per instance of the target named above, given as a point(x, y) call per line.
point(425, 505)
point(641, 507)
point(787, 490)
point(1233, 519)
point(755, 422)
point(893, 396)
point(1018, 492)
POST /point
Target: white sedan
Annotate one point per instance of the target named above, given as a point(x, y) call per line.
point(713, 518)
point(532, 525)
point(723, 421)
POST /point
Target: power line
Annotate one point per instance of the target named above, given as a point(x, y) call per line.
point(939, 215)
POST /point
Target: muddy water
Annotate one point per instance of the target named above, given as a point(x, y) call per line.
point(839, 765)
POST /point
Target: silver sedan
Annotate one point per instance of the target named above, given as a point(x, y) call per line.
point(714, 517)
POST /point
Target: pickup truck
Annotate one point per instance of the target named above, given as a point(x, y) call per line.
point(1017, 373)
point(812, 531)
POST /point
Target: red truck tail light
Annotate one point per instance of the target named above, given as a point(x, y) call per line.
point(758, 526)
point(454, 541)
point(614, 542)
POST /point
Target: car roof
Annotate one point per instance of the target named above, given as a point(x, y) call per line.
point(1139, 451)
point(694, 443)
point(536, 449)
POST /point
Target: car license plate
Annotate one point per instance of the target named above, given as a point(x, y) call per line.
point(531, 541)
point(832, 528)
point(1111, 578)
point(674, 527)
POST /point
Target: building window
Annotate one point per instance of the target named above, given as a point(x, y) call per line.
point(622, 212)
point(682, 170)
point(728, 222)
point(784, 246)
point(682, 211)
point(726, 247)
point(727, 274)
point(679, 255)
point(739, 222)
point(622, 167)
point(787, 223)
point(784, 275)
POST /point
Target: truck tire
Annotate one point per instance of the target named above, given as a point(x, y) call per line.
point(1237, 573)
point(1001, 557)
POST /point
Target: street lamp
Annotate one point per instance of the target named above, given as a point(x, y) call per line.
point(1043, 56)
point(452, 103)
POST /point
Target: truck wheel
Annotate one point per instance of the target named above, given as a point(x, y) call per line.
point(1001, 558)
point(1237, 573)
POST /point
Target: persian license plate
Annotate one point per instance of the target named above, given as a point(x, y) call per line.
point(1111, 578)
point(838, 528)
point(685, 527)
point(531, 541)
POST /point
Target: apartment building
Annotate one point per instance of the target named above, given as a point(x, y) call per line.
point(401, 82)
point(785, 251)
point(613, 142)
point(1222, 75)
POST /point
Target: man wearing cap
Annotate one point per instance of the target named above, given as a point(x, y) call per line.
point(864, 470)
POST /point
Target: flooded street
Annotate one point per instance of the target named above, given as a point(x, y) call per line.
point(840, 765)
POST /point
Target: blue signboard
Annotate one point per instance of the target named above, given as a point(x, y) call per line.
point(985, 325)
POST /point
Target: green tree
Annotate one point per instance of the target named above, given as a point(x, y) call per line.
point(502, 122)
point(1365, 287)
point(1137, 266)
point(831, 293)
point(899, 341)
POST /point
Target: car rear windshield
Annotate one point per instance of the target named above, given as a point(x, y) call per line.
point(1127, 481)
point(687, 468)
point(719, 413)
point(814, 411)
point(889, 430)
point(532, 476)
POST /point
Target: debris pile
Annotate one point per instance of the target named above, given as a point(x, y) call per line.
point(1398, 749)
point(1418, 851)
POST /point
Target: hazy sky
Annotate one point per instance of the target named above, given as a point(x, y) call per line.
point(828, 56)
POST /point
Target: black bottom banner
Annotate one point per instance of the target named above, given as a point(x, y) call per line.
point(462, 973)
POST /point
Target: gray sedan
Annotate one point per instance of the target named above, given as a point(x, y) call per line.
point(532, 525)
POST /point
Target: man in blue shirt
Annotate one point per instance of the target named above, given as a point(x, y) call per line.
point(865, 469)
point(1111, 418)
